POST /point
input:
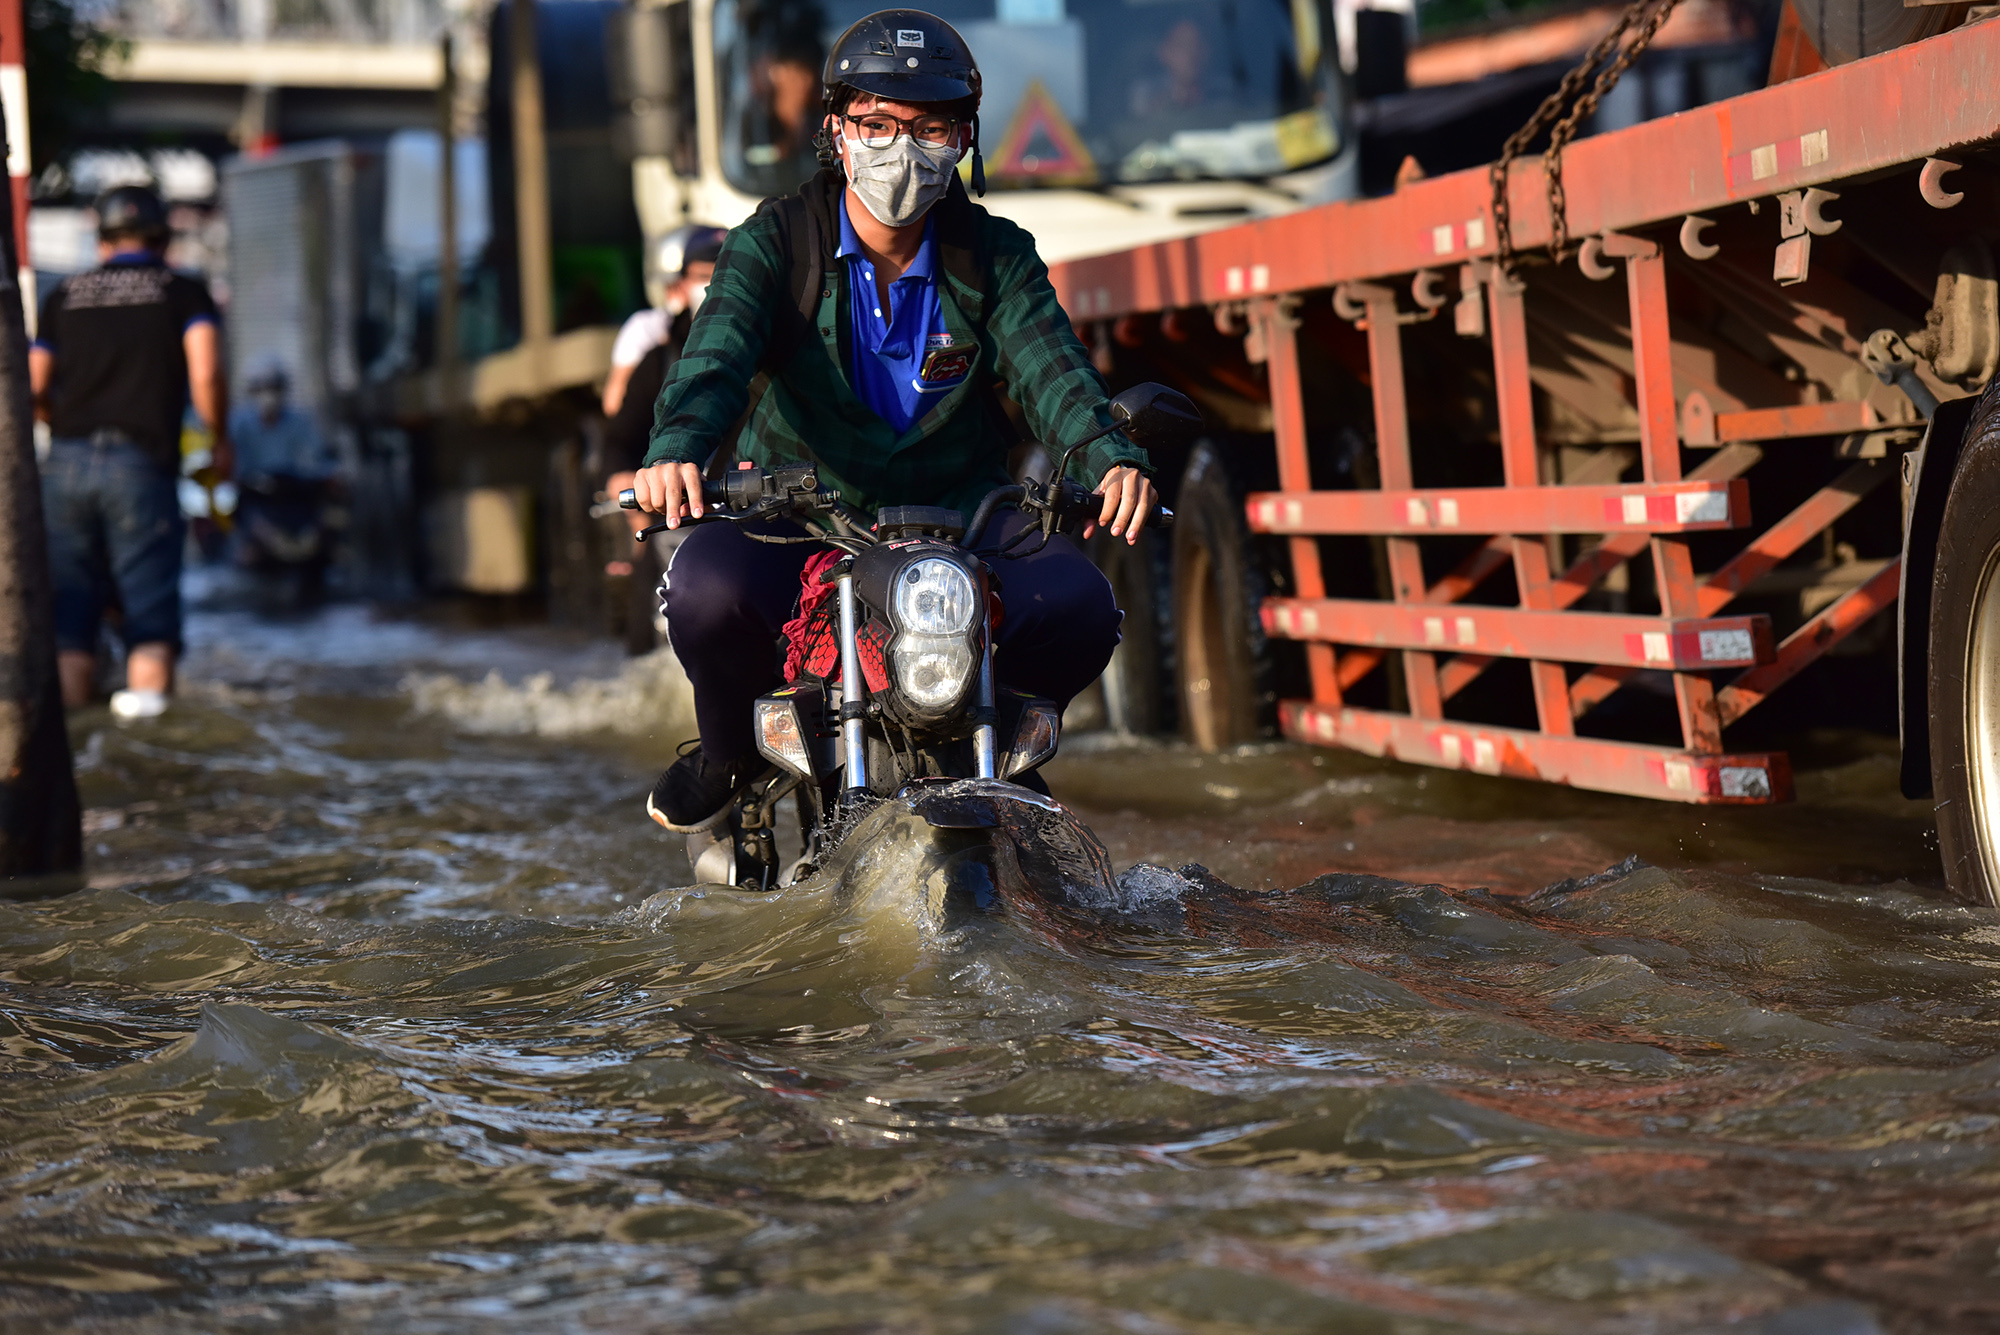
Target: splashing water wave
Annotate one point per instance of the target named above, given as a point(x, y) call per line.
point(385, 1017)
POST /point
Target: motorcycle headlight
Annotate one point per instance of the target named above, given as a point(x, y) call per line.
point(935, 597)
point(933, 670)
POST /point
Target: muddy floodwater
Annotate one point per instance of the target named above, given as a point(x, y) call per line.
point(385, 1009)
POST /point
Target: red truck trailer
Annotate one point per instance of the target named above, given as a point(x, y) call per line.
point(1574, 515)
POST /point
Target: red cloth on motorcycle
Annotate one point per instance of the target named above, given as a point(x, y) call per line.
point(812, 636)
point(812, 640)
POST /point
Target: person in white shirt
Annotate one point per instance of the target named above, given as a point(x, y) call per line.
point(687, 261)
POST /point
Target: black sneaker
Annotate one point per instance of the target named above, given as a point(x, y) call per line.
point(693, 795)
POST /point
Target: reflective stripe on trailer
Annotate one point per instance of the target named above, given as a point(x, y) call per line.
point(1580, 762)
point(1509, 632)
point(1673, 507)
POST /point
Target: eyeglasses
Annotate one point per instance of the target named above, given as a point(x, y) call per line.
point(878, 129)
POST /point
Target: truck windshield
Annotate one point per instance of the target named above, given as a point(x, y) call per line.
point(1077, 92)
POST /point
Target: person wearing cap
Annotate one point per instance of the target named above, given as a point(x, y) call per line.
point(118, 354)
point(883, 367)
point(686, 262)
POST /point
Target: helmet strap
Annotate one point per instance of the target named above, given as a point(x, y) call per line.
point(978, 162)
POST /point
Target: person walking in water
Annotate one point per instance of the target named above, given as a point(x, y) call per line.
point(118, 354)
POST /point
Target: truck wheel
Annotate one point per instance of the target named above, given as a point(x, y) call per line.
point(1219, 641)
point(1965, 666)
point(1134, 679)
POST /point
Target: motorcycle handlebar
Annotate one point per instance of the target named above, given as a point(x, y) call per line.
point(714, 495)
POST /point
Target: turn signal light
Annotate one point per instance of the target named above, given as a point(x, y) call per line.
point(780, 738)
point(1034, 740)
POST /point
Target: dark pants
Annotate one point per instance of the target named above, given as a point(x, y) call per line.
point(728, 598)
point(115, 529)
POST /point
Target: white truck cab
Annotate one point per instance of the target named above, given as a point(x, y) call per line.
point(1104, 123)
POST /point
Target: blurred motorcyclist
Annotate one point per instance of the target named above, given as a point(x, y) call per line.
point(287, 477)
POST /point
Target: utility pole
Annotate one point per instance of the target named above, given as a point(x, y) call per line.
point(531, 176)
point(447, 298)
point(41, 826)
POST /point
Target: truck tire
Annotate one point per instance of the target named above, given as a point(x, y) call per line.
point(1964, 666)
point(1223, 670)
point(1135, 681)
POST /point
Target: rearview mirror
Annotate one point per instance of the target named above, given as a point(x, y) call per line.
point(1155, 415)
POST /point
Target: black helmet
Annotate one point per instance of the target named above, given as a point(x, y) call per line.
point(132, 210)
point(903, 55)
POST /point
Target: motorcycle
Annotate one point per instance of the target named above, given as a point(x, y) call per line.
point(890, 685)
point(289, 525)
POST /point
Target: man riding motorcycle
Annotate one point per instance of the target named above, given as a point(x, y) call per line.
point(883, 308)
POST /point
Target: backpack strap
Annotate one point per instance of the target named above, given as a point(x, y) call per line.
point(803, 236)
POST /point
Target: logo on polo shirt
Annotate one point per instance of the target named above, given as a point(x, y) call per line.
point(946, 361)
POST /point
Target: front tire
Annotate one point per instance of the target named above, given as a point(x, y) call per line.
point(1223, 667)
point(1135, 681)
point(1964, 666)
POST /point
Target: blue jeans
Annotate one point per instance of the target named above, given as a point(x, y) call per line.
point(115, 532)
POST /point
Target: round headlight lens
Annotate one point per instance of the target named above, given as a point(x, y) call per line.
point(935, 597)
point(933, 671)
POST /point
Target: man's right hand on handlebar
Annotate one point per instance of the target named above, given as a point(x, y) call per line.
point(671, 490)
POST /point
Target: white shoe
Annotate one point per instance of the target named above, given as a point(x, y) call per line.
point(138, 704)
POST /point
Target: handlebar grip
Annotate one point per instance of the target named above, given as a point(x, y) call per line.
point(1161, 517)
point(713, 497)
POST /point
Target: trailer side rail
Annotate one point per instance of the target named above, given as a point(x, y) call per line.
point(1386, 263)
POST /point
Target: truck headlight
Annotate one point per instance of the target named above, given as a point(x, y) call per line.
point(935, 597)
point(933, 670)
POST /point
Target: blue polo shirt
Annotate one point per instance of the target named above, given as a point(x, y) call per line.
point(890, 346)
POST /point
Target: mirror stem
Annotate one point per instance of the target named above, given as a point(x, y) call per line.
point(1062, 470)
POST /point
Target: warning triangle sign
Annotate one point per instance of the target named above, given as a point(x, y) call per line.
point(1041, 145)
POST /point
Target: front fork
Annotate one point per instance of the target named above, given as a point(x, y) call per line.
point(985, 762)
point(853, 693)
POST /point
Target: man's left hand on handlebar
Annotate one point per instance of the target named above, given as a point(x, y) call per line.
point(1128, 498)
point(669, 489)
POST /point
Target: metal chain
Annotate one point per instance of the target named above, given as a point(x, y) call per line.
point(1646, 16)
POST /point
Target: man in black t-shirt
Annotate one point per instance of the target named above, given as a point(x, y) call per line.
point(117, 355)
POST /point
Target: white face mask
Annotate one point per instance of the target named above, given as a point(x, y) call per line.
point(900, 183)
point(696, 295)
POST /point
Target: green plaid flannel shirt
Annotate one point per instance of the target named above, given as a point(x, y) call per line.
point(952, 455)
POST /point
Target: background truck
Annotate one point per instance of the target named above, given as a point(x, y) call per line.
point(1104, 125)
point(610, 125)
point(1480, 499)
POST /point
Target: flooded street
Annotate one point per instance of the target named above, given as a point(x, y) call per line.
point(383, 1011)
